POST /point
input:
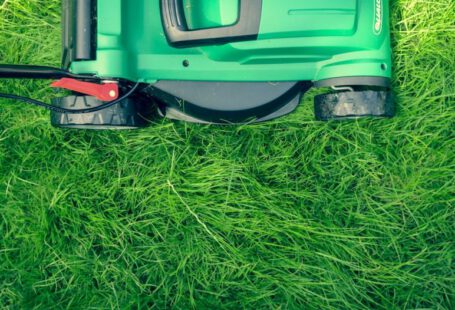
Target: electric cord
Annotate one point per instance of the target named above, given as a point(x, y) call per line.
point(53, 108)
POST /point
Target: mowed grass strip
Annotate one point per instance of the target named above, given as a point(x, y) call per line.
point(293, 214)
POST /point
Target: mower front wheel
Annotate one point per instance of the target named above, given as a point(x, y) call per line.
point(127, 114)
point(352, 104)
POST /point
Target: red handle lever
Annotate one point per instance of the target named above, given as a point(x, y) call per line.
point(103, 92)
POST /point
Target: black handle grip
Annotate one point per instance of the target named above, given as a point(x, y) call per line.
point(178, 34)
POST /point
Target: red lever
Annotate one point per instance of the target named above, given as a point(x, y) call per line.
point(103, 92)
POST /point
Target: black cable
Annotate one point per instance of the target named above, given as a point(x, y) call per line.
point(69, 111)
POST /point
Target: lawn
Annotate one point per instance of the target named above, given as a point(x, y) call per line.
point(284, 215)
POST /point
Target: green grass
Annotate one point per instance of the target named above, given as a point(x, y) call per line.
point(286, 215)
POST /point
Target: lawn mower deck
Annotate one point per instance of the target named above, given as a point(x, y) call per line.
point(219, 61)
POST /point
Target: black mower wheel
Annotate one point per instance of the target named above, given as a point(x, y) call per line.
point(354, 104)
point(127, 114)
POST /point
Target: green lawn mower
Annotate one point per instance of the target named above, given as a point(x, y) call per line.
point(216, 61)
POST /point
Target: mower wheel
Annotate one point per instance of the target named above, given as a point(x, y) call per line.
point(354, 104)
point(127, 114)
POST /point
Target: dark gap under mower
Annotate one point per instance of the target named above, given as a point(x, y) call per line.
point(216, 61)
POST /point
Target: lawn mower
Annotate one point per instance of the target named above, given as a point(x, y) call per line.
point(216, 61)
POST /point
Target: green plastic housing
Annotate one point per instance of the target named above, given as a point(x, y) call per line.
point(299, 40)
